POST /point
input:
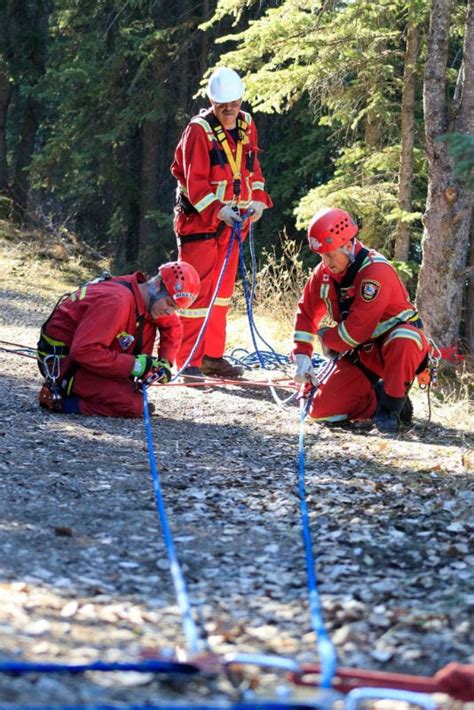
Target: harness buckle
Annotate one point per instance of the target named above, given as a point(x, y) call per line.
point(429, 376)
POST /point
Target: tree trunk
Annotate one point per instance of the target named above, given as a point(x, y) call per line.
point(33, 25)
point(24, 152)
point(5, 93)
point(149, 185)
point(204, 56)
point(469, 314)
point(447, 219)
point(405, 175)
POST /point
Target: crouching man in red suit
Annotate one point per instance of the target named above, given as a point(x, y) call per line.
point(377, 342)
point(97, 344)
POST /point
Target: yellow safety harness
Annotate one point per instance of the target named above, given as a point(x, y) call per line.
point(235, 163)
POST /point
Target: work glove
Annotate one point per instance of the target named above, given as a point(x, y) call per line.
point(162, 373)
point(327, 352)
point(144, 366)
point(255, 209)
point(304, 370)
point(229, 215)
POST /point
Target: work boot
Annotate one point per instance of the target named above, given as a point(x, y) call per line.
point(192, 374)
point(391, 411)
point(406, 415)
point(220, 367)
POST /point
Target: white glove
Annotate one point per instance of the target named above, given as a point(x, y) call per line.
point(256, 208)
point(228, 215)
point(304, 370)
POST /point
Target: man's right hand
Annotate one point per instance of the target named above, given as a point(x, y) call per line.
point(144, 365)
point(228, 215)
point(304, 370)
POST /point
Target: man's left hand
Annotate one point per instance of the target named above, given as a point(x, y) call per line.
point(256, 210)
point(163, 371)
point(327, 352)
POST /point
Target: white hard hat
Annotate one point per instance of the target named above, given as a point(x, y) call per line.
point(225, 85)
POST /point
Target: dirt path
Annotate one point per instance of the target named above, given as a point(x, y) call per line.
point(83, 569)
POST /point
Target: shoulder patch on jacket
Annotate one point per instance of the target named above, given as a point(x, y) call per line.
point(369, 289)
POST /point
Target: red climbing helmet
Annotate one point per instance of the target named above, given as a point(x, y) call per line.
point(182, 282)
point(330, 229)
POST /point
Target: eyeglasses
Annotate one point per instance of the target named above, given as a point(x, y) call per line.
point(228, 104)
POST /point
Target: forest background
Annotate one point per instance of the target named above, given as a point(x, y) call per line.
point(364, 105)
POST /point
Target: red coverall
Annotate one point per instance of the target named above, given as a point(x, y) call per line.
point(378, 318)
point(205, 178)
point(95, 322)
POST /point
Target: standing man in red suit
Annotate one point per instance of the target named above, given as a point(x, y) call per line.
point(377, 342)
point(219, 177)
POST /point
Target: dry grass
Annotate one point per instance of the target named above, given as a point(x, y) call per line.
point(50, 263)
point(279, 283)
point(54, 263)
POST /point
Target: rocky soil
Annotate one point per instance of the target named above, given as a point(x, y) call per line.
point(83, 568)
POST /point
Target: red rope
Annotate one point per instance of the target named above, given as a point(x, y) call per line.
point(284, 382)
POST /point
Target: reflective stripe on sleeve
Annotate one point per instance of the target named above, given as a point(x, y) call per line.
point(302, 336)
point(324, 293)
point(344, 335)
point(193, 312)
point(205, 202)
point(386, 325)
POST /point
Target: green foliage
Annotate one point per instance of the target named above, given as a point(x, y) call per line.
point(99, 90)
point(364, 184)
point(345, 58)
point(461, 149)
point(324, 79)
point(407, 270)
point(295, 157)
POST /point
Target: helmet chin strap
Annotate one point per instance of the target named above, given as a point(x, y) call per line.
point(350, 253)
point(156, 290)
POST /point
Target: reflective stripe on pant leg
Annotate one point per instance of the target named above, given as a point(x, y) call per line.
point(217, 328)
point(402, 351)
point(203, 256)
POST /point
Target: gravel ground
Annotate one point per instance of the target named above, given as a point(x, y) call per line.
point(83, 568)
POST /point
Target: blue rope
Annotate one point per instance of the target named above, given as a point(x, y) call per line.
point(326, 650)
point(268, 359)
point(273, 360)
point(151, 666)
point(248, 303)
point(253, 704)
point(189, 627)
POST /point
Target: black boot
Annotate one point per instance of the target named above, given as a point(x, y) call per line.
point(391, 411)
